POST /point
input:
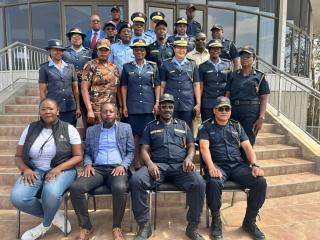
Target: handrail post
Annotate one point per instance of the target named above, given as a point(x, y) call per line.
point(10, 65)
point(279, 95)
point(25, 51)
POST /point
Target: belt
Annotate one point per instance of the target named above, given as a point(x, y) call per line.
point(245, 102)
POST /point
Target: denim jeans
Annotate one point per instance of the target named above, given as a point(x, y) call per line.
point(42, 199)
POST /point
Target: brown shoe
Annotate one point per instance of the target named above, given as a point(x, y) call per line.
point(85, 234)
point(117, 234)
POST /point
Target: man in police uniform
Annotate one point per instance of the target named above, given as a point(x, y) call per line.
point(154, 17)
point(116, 18)
point(180, 77)
point(160, 49)
point(181, 27)
point(229, 50)
point(194, 27)
point(220, 140)
point(121, 52)
point(167, 151)
point(139, 19)
point(200, 53)
point(77, 55)
point(213, 79)
point(111, 33)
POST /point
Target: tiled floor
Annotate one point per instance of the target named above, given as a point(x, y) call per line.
point(288, 218)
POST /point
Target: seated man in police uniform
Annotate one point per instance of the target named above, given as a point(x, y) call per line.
point(220, 141)
point(167, 151)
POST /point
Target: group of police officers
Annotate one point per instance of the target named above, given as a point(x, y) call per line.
point(160, 83)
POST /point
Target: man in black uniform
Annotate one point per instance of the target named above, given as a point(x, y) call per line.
point(167, 151)
point(229, 50)
point(220, 141)
point(116, 18)
point(194, 27)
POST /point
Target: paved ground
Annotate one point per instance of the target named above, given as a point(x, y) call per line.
point(288, 218)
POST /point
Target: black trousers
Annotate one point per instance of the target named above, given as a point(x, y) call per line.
point(240, 173)
point(117, 184)
point(190, 182)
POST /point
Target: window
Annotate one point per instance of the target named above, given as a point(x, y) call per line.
point(1, 29)
point(48, 27)
point(295, 51)
point(78, 16)
point(247, 25)
point(302, 55)
point(223, 17)
point(192, 1)
point(305, 12)
point(168, 12)
point(293, 12)
point(105, 13)
point(17, 24)
point(266, 39)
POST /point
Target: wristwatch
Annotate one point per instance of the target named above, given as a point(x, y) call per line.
point(254, 165)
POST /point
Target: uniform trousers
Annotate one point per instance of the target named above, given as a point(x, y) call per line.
point(186, 116)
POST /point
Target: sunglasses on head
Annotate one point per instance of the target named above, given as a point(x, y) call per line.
point(224, 109)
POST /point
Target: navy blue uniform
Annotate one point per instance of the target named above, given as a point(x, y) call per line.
point(244, 95)
point(179, 83)
point(168, 151)
point(229, 50)
point(226, 155)
point(214, 79)
point(158, 53)
point(191, 41)
point(194, 27)
point(60, 89)
point(141, 96)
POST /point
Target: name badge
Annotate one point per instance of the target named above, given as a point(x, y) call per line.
point(210, 71)
point(154, 51)
point(131, 73)
point(179, 130)
point(150, 72)
point(172, 71)
point(156, 131)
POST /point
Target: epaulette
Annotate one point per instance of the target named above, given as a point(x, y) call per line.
point(154, 120)
point(44, 63)
point(225, 60)
point(166, 60)
point(233, 121)
point(208, 120)
point(153, 63)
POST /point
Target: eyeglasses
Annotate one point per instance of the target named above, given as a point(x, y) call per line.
point(223, 109)
point(96, 20)
point(110, 29)
point(200, 39)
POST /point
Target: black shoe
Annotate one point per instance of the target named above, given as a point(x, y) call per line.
point(216, 227)
point(144, 232)
point(249, 225)
point(192, 232)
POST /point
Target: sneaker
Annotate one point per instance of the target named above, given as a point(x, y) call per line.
point(58, 221)
point(35, 233)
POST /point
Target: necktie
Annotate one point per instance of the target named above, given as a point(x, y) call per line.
point(93, 41)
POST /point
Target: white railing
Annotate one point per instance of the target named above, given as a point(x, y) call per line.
point(19, 61)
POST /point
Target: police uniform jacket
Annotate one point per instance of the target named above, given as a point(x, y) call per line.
point(229, 50)
point(194, 27)
point(157, 53)
point(179, 82)
point(191, 41)
point(247, 87)
point(59, 85)
point(140, 85)
point(214, 81)
point(224, 140)
point(167, 141)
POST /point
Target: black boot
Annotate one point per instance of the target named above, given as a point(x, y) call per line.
point(216, 227)
point(192, 232)
point(249, 225)
point(144, 232)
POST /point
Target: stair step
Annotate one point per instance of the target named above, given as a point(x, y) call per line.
point(12, 130)
point(8, 175)
point(276, 151)
point(27, 100)
point(268, 128)
point(21, 109)
point(7, 157)
point(8, 142)
point(30, 91)
point(270, 138)
point(18, 119)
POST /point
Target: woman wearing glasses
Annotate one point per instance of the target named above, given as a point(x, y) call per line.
point(248, 91)
point(47, 153)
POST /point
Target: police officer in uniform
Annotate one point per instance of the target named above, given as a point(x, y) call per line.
point(160, 49)
point(194, 27)
point(229, 50)
point(180, 77)
point(121, 52)
point(248, 91)
point(181, 27)
point(111, 32)
point(116, 18)
point(167, 151)
point(139, 20)
point(78, 55)
point(220, 140)
point(58, 80)
point(154, 17)
point(213, 79)
point(140, 92)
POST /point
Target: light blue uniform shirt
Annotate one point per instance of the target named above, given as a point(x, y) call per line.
point(140, 67)
point(143, 36)
point(121, 54)
point(63, 64)
point(108, 152)
point(151, 33)
point(216, 66)
point(180, 63)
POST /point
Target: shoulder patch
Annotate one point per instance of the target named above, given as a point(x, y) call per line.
point(233, 121)
point(151, 122)
point(153, 63)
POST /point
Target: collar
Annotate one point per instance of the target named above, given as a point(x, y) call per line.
point(63, 64)
point(98, 32)
point(139, 66)
point(115, 125)
point(174, 120)
point(204, 52)
point(185, 35)
point(215, 64)
point(81, 48)
point(184, 61)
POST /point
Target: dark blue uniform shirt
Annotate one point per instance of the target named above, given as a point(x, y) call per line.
point(179, 82)
point(167, 142)
point(157, 53)
point(194, 27)
point(140, 83)
point(247, 87)
point(224, 140)
point(214, 81)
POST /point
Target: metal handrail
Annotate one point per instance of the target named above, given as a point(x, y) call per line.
point(12, 45)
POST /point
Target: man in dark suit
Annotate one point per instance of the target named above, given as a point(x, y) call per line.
point(109, 150)
point(95, 33)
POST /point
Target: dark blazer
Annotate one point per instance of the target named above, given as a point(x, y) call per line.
point(87, 40)
point(124, 141)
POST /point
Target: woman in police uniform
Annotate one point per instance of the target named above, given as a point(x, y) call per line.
point(140, 92)
point(58, 80)
point(248, 90)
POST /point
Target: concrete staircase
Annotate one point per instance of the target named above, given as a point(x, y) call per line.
point(287, 172)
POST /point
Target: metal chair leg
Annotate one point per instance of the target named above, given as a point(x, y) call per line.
point(233, 198)
point(18, 223)
point(65, 214)
point(155, 211)
point(94, 203)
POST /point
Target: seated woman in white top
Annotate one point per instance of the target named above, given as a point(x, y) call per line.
point(47, 153)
